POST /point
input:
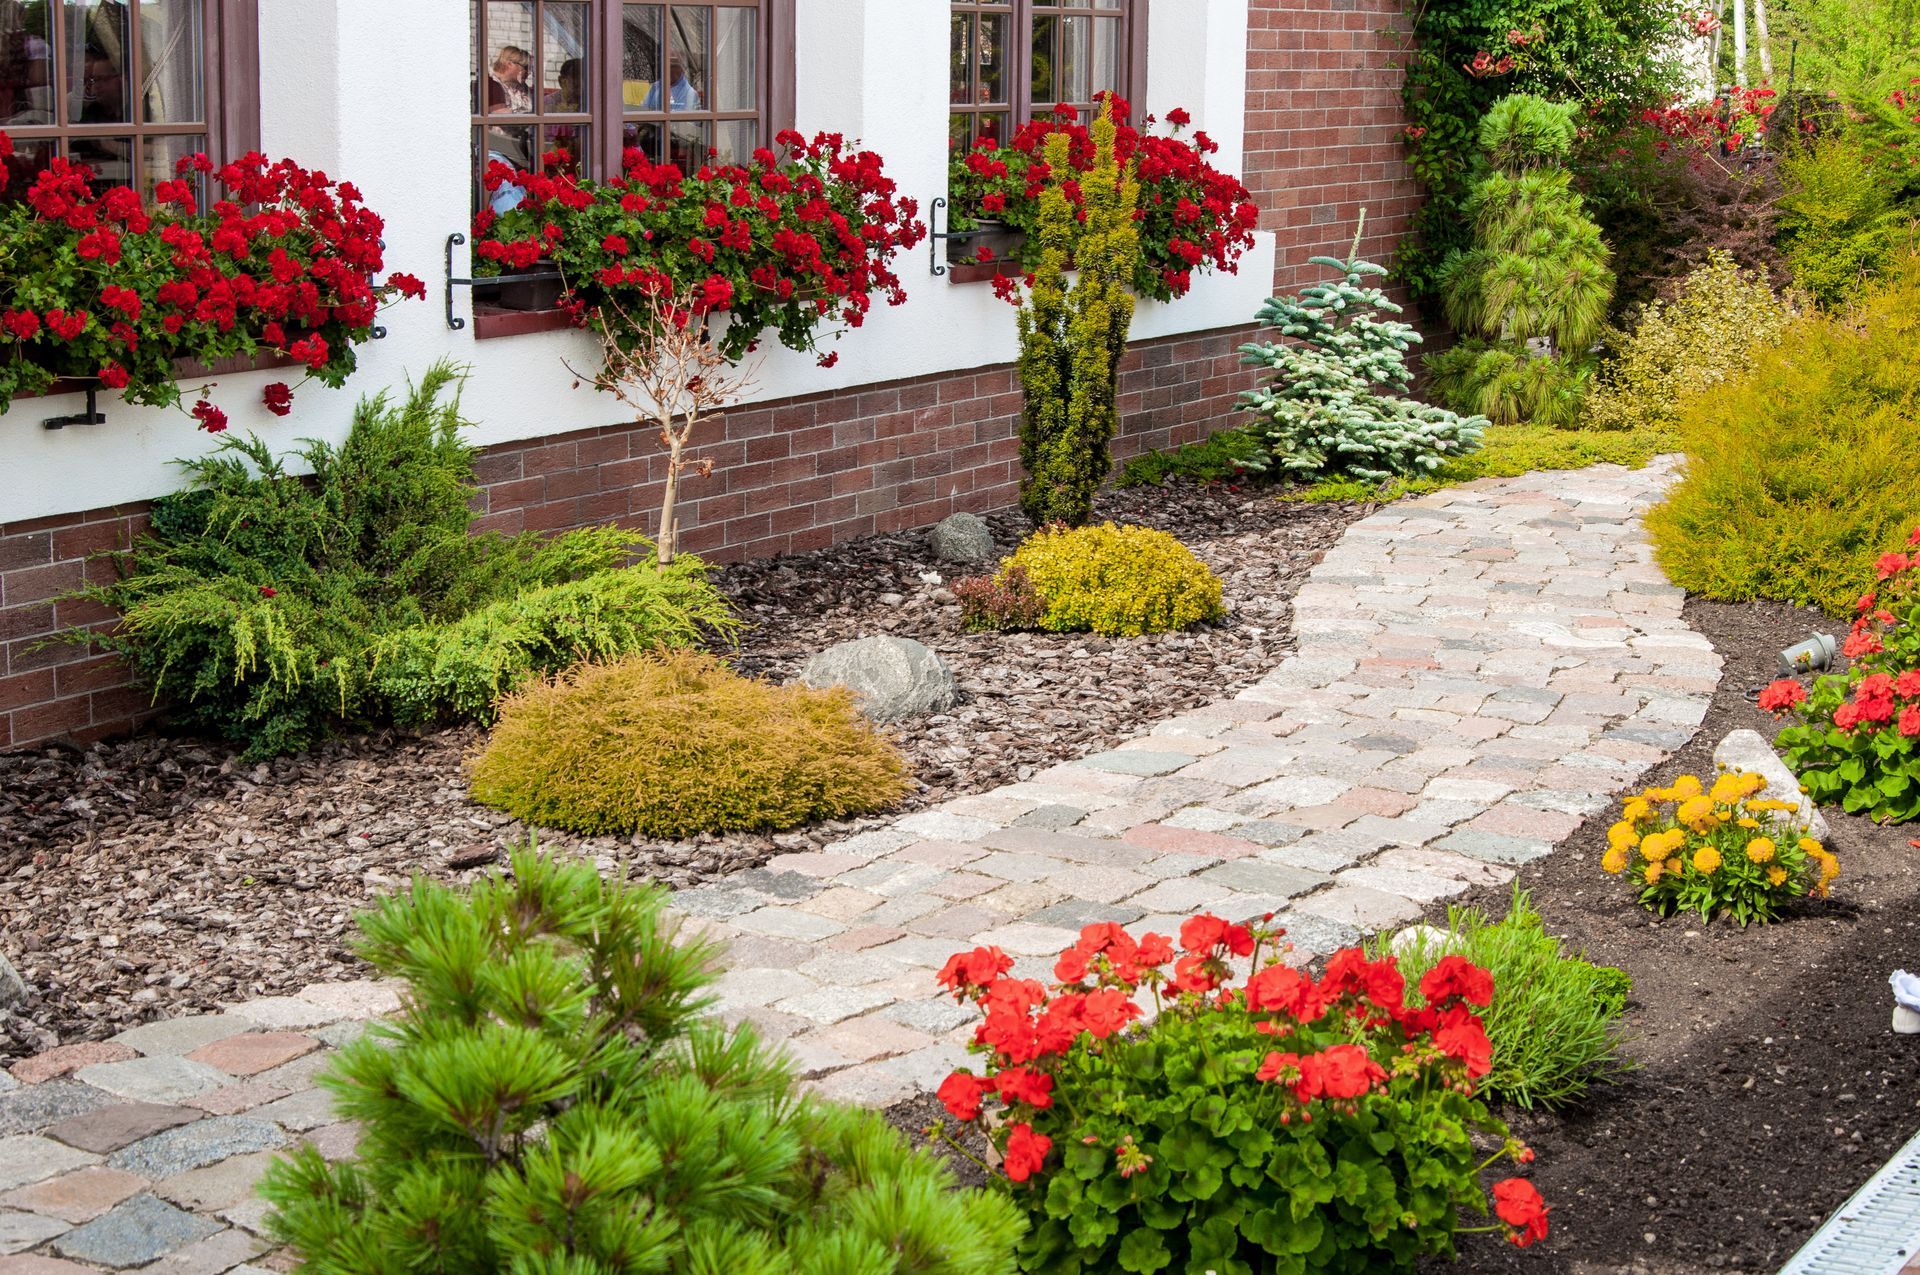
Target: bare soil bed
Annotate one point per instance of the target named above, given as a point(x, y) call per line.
point(159, 875)
point(1770, 1084)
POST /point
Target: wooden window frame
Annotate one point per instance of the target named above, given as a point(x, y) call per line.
point(230, 88)
point(1020, 109)
point(607, 114)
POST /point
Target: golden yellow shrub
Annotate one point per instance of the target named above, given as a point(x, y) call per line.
point(674, 744)
point(1120, 581)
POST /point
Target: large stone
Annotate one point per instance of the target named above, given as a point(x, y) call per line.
point(893, 678)
point(1748, 752)
point(962, 538)
point(13, 988)
point(140, 1231)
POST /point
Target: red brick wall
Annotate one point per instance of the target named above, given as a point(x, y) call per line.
point(1323, 141)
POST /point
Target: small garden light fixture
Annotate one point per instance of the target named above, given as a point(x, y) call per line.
point(1809, 656)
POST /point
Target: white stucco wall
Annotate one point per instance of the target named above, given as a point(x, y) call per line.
point(376, 93)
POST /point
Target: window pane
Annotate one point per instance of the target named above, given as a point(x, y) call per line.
point(110, 158)
point(735, 140)
point(1042, 87)
point(26, 66)
point(1075, 60)
point(736, 60)
point(173, 70)
point(159, 154)
point(510, 75)
point(96, 64)
point(640, 56)
point(565, 58)
point(509, 144)
point(565, 147)
point(688, 145)
point(960, 59)
point(689, 58)
point(1105, 69)
point(993, 58)
point(30, 156)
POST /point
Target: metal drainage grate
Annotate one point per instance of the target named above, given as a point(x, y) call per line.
point(1875, 1231)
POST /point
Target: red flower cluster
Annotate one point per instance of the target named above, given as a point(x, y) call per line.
point(1885, 690)
point(1191, 215)
point(787, 244)
point(1732, 119)
point(284, 261)
point(1486, 66)
point(1517, 1203)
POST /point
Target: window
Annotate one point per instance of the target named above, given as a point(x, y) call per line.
point(577, 82)
point(127, 86)
point(1014, 59)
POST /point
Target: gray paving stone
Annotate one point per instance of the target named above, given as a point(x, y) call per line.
point(217, 1253)
point(1493, 847)
point(216, 1186)
point(789, 923)
point(1259, 876)
point(934, 1017)
point(194, 1145)
point(173, 1036)
point(164, 1079)
point(1269, 833)
point(1077, 914)
point(829, 1005)
point(28, 1157)
point(308, 1109)
point(718, 902)
point(141, 1230)
point(20, 1231)
point(1052, 817)
point(31, 1108)
point(1136, 761)
point(790, 887)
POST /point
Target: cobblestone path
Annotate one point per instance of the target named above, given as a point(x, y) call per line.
point(1476, 671)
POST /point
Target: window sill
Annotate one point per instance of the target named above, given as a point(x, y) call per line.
point(490, 323)
point(183, 370)
point(982, 272)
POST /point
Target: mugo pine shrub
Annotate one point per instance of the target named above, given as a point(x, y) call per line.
point(1554, 1023)
point(1709, 332)
point(1118, 581)
point(1283, 1124)
point(550, 1099)
point(1321, 414)
point(676, 744)
point(1856, 740)
point(1801, 470)
point(1530, 297)
point(273, 611)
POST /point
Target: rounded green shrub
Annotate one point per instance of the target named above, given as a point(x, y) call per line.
point(1802, 470)
point(675, 744)
point(1119, 581)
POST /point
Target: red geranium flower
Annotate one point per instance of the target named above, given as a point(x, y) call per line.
point(1781, 695)
point(211, 418)
point(961, 1093)
point(278, 398)
point(1026, 1152)
point(1519, 1205)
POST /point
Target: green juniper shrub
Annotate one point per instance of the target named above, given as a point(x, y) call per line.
point(274, 610)
point(677, 744)
point(1530, 296)
point(1555, 1017)
point(1841, 219)
point(1263, 1122)
point(1322, 412)
point(1073, 338)
point(1802, 468)
point(551, 1099)
point(1855, 740)
point(1225, 456)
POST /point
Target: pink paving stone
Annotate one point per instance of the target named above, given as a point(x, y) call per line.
point(861, 937)
point(243, 1095)
point(255, 1052)
point(865, 1039)
point(842, 903)
point(1377, 801)
point(1509, 820)
point(939, 854)
point(1158, 836)
point(816, 864)
point(964, 885)
point(39, 1264)
point(364, 998)
point(960, 922)
point(78, 1196)
point(1323, 818)
point(62, 1059)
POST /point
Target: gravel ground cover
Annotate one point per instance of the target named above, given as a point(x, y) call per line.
point(159, 875)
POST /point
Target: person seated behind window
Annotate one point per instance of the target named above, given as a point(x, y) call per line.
point(567, 98)
point(507, 89)
point(682, 96)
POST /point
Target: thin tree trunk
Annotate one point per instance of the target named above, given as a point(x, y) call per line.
point(1766, 39)
point(666, 503)
point(1740, 42)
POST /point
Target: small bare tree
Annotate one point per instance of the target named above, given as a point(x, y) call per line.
point(662, 362)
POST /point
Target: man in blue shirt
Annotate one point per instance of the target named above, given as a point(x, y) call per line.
point(682, 96)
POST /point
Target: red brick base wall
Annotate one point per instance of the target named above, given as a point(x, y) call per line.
point(788, 476)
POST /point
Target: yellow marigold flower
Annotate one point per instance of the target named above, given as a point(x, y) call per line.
point(1750, 783)
point(1748, 821)
point(1660, 845)
point(1614, 860)
point(1636, 810)
point(1760, 849)
point(1811, 846)
point(1697, 813)
point(1686, 786)
point(1727, 789)
point(1673, 867)
point(1776, 876)
point(1706, 859)
point(1622, 834)
point(1653, 871)
point(1829, 867)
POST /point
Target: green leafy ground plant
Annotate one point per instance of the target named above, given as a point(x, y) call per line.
point(274, 610)
point(1276, 1124)
point(550, 1098)
point(1855, 741)
point(1554, 1023)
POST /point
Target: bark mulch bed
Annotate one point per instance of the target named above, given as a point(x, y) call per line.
point(1770, 1084)
point(159, 875)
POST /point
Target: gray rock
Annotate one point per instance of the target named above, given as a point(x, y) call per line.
point(139, 1231)
point(893, 678)
point(13, 988)
point(1746, 751)
point(962, 538)
point(193, 1146)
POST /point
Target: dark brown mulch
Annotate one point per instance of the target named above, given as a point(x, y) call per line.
point(161, 875)
point(1771, 1085)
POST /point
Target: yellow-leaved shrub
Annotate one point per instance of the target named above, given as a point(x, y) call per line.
point(1804, 468)
point(1119, 581)
point(1704, 335)
point(674, 744)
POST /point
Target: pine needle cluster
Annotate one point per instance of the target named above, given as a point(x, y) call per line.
point(550, 1100)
